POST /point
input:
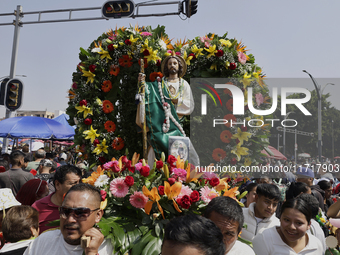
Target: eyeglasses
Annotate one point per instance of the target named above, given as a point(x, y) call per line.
point(79, 213)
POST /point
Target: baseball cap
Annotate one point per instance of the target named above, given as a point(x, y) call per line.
point(46, 162)
point(304, 171)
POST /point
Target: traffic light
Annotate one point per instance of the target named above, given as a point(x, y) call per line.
point(118, 9)
point(13, 94)
point(3, 90)
point(190, 7)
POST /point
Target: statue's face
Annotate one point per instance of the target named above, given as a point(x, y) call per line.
point(173, 66)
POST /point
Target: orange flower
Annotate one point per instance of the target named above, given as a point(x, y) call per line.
point(229, 117)
point(219, 154)
point(154, 75)
point(114, 70)
point(94, 176)
point(145, 63)
point(118, 144)
point(71, 94)
point(107, 86)
point(173, 191)
point(231, 192)
point(154, 197)
point(227, 91)
point(229, 104)
point(225, 136)
point(107, 106)
point(125, 61)
point(110, 126)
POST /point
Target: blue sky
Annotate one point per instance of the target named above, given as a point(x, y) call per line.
point(284, 36)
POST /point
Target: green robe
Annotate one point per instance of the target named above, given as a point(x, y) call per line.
point(155, 117)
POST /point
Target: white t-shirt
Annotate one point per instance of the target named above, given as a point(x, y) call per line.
point(14, 246)
point(269, 242)
point(53, 243)
point(240, 248)
point(317, 231)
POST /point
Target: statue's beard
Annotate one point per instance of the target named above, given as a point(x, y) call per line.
point(173, 70)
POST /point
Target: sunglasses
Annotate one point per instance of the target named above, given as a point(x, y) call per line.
point(79, 213)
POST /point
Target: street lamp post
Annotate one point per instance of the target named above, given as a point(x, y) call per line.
point(319, 91)
point(284, 135)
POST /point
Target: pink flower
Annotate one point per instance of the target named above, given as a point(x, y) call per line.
point(103, 194)
point(185, 191)
point(108, 165)
point(138, 166)
point(113, 37)
point(138, 199)
point(169, 51)
point(145, 34)
point(259, 99)
point(118, 187)
point(203, 39)
point(207, 44)
point(242, 58)
point(180, 173)
point(177, 53)
point(209, 175)
point(207, 194)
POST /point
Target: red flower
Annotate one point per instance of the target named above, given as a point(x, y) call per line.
point(83, 102)
point(219, 53)
point(110, 47)
point(33, 171)
point(103, 194)
point(2, 169)
point(146, 52)
point(161, 190)
point(74, 85)
point(244, 128)
point(132, 169)
point(195, 196)
point(127, 42)
point(96, 142)
point(154, 75)
point(171, 181)
point(115, 168)
point(214, 182)
point(233, 161)
point(159, 164)
point(184, 202)
point(118, 144)
point(171, 160)
point(232, 66)
point(125, 61)
point(192, 55)
point(102, 160)
point(107, 106)
point(114, 70)
point(110, 126)
point(88, 121)
point(106, 86)
point(219, 154)
point(129, 181)
point(145, 171)
point(92, 68)
point(158, 63)
point(124, 160)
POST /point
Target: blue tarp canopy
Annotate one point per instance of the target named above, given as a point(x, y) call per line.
point(34, 127)
point(63, 119)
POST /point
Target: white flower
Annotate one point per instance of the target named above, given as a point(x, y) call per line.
point(101, 181)
point(162, 44)
point(95, 50)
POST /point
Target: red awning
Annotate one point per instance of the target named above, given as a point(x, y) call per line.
point(275, 154)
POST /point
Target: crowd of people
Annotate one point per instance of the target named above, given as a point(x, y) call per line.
point(279, 216)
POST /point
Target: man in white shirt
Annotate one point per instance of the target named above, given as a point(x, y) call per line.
point(260, 215)
point(79, 212)
point(227, 214)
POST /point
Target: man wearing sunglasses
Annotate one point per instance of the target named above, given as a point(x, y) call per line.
point(79, 212)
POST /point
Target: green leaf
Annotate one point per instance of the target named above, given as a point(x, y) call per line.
point(157, 229)
point(138, 247)
point(54, 223)
point(205, 74)
point(84, 52)
point(154, 247)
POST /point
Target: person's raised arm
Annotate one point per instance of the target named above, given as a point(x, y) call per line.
point(334, 210)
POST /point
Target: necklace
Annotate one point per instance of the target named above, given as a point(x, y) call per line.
point(167, 110)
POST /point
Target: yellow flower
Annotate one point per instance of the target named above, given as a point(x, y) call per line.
point(226, 43)
point(91, 134)
point(85, 110)
point(186, 58)
point(241, 136)
point(145, 46)
point(240, 151)
point(246, 80)
point(104, 54)
point(101, 148)
point(133, 40)
point(256, 75)
point(99, 102)
point(153, 56)
point(247, 162)
point(213, 67)
point(90, 76)
point(212, 50)
point(227, 64)
point(167, 54)
point(196, 50)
